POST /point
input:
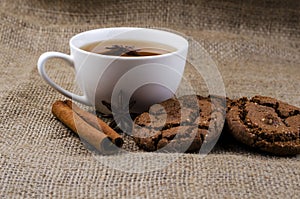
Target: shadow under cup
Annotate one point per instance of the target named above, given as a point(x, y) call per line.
point(121, 83)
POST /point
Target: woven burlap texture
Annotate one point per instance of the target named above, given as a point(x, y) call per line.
point(255, 44)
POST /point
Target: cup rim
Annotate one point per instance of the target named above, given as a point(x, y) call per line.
point(72, 45)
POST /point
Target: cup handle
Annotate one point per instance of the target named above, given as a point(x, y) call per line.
point(41, 68)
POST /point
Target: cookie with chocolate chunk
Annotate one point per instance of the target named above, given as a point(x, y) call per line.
point(266, 124)
point(181, 125)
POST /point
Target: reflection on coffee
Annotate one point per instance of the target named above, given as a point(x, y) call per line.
point(128, 48)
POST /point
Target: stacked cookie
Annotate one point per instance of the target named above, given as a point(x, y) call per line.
point(193, 124)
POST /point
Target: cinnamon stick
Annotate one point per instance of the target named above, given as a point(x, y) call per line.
point(97, 123)
point(91, 135)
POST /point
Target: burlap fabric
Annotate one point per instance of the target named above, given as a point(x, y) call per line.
point(255, 44)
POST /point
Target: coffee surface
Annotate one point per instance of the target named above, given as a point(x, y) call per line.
point(128, 48)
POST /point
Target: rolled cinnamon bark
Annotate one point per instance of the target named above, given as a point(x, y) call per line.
point(91, 135)
point(97, 123)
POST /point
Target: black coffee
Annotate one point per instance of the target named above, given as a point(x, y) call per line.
point(128, 48)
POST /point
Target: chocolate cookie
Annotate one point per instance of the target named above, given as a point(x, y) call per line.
point(266, 124)
point(181, 125)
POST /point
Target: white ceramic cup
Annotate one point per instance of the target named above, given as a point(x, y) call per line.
point(114, 81)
